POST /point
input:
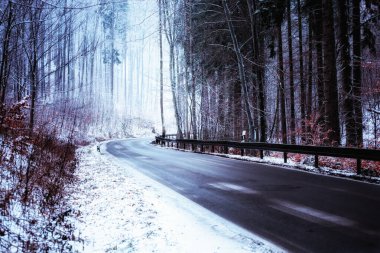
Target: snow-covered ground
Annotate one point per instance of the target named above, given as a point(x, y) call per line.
point(121, 210)
point(346, 172)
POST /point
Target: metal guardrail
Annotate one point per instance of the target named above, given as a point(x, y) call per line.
point(353, 153)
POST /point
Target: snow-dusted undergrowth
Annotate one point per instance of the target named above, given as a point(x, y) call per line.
point(35, 167)
point(120, 210)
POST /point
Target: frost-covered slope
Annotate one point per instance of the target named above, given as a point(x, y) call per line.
point(124, 211)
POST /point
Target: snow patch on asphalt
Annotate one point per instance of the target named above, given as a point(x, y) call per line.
point(121, 210)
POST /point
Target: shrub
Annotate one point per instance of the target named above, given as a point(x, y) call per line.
point(35, 170)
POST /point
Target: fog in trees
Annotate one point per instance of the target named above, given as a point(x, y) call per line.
point(302, 71)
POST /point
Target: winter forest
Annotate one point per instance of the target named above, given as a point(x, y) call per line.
point(73, 72)
point(285, 71)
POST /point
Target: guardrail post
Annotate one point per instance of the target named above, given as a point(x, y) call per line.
point(358, 166)
point(316, 165)
point(261, 154)
point(285, 157)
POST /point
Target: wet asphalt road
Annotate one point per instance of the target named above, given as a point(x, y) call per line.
point(298, 211)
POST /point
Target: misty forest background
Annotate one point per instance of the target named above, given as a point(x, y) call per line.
point(74, 72)
point(286, 71)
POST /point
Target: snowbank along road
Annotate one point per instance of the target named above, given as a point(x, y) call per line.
point(299, 211)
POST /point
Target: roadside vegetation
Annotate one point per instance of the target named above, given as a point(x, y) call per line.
point(35, 170)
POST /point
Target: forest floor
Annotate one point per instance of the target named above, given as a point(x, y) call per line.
point(121, 210)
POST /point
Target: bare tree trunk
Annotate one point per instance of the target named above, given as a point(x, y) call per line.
point(189, 27)
point(161, 71)
point(4, 60)
point(310, 81)
point(302, 81)
point(319, 51)
point(259, 67)
point(34, 39)
point(173, 86)
point(112, 63)
point(281, 86)
point(291, 78)
point(241, 68)
point(329, 75)
point(348, 108)
point(357, 71)
point(275, 116)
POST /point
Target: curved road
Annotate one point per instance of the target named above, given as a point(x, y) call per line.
point(299, 211)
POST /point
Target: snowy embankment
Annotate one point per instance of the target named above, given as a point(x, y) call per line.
point(121, 210)
point(303, 164)
point(345, 172)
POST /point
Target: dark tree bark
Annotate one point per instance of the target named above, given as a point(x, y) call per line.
point(33, 62)
point(258, 58)
point(357, 72)
point(4, 66)
point(310, 80)
point(291, 76)
point(281, 85)
point(241, 68)
point(348, 109)
point(318, 45)
point(302, 81)
point(329, 75)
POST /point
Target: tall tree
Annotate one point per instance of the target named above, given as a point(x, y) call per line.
point(35, 39)
point(278, 18)
point(5, 53)
point(345, 64)
point(301, 70)
point(258, 57)
point(189, 56)
point(170, 7)
point(330, 74)
point(114, 29)
point(315, 7)
point(280, 57)
point(161, 69)
point(309, 79)
point(357, 71)
point(291, 75)
point(241, 67)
